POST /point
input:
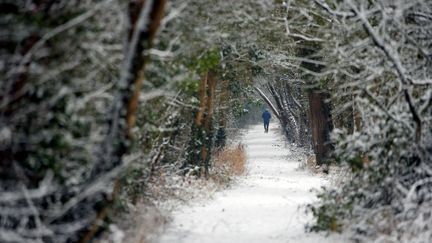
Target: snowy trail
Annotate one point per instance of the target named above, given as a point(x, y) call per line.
point(264, 206)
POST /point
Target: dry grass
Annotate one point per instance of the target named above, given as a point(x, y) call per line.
point(229, 162)
point(311, 163)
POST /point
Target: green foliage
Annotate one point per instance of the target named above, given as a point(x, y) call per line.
point(209, 60)
point(330, 212)
point(257, 70)
point(356, 163)
point(256, 54)
point(323, 83)
point(189, 87)
point(326, 219)
point(235, 88)
point(133, 181)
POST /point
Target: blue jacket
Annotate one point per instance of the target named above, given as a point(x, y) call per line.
point(266, 116)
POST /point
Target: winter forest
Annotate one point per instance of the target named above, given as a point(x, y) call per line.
point(141, 121)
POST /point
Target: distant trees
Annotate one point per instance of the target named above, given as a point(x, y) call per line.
point(220, 61)
point(293, 77)
point(290, 106)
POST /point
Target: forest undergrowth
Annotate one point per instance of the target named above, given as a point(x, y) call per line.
point(167, 190)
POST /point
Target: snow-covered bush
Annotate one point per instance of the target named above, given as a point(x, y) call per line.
point(58, 61)
point(69, 90)
point(377, 55)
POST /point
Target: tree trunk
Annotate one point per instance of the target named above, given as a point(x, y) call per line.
point(142, 33)
point(207, 144)
point(202, 100)
point(320, 119)
point(357, 120)
point(201, 135)
point(222, 115)
point(321, 125)
point(195, 148)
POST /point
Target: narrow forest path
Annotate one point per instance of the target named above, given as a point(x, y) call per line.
point(266, 205)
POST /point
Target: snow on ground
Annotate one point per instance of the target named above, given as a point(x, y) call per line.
point(265, 205)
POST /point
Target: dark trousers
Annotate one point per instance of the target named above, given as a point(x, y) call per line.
point(266, 125)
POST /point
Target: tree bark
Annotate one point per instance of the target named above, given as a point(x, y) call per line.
point(119, 136)
point(194, 149)
point(223, 100)
point(321, 125)
point(202, 100)
point(320, 119)
point(206, 147)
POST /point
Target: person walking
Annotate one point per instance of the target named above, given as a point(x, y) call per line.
point(266, 118)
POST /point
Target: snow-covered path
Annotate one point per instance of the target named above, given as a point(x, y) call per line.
point(264, 206)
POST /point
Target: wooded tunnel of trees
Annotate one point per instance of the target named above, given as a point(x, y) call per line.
point(99, 96)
